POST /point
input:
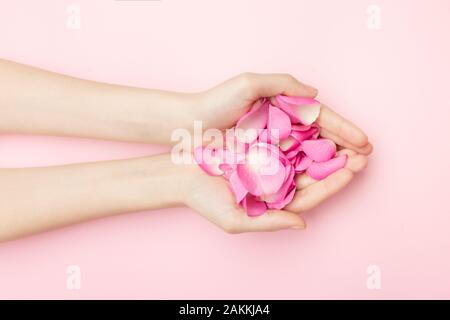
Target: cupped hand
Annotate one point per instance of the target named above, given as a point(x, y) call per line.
point(221, 107)
point(213, 199)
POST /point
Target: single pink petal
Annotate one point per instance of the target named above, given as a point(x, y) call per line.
point(293, 153)
point(251, 124)
point(281, 194)
point(296, 160)
point(264, 136)
point(278, 124)
point(262, 171)
point(237, 187)
point(253, 207)
point(303, 164)
point(209, 160)
point(300, 127)
point(299, 109)
point(229, 161)
point(284, 202)
point(321, 170)
point(302, 135)
point(319, 150)
point(291, 148)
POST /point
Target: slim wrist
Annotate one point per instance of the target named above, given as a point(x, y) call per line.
point(184, 177)
point(158, 181)
point(160, 113)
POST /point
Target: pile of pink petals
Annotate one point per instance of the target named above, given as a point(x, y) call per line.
point(270, 145)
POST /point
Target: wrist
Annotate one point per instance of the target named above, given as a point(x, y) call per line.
point(162, 182)
point(185, 177)
point(153, 115)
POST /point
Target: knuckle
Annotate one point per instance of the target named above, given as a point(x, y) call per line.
point(289, 77)
point(246, 80)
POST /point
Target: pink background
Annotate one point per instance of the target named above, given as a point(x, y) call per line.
point(393, 82)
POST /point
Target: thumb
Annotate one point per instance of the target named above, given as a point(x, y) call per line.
point(272, 220)
point(268, 85)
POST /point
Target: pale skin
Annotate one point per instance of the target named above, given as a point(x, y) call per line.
point(33, 200)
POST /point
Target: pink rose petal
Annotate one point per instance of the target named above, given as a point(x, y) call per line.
point(262, 171)
point(253, 207)
point(300, 127)
point(279, 124)
point(284, 202)
point(321, 170)
point(237, 187)
point(302, 135)
point(281, 194)
point(300, 109)
point(260, 165)
point(303, 164)
point(264, 136)
point(249, 126)
point(319, 150)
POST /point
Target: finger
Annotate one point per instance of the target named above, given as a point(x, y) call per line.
point(303, 181)
point(267, 85)
point(366, 150)
point(341, 127)
point(355, 163)
point(318, 192)
point(272, 220)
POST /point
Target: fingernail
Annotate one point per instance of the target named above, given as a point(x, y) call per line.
point(298, 227)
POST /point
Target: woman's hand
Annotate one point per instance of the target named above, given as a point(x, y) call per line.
point(222, 106)
point(213, 199)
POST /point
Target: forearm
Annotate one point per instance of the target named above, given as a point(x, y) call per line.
point(37, 199)
point(34, 101)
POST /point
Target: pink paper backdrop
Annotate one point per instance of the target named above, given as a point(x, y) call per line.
point(392, 81)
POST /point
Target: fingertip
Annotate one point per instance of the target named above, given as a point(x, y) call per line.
point(356, 163)
point(294, 87)
point(302, 90)
point(347, 152)
point(300, 225)
point(283, 219)
point(313, 92)
point(369, 148)
point(360, 139)
point(366, 150)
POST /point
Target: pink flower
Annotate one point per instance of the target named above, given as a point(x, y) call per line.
point(277, 142)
